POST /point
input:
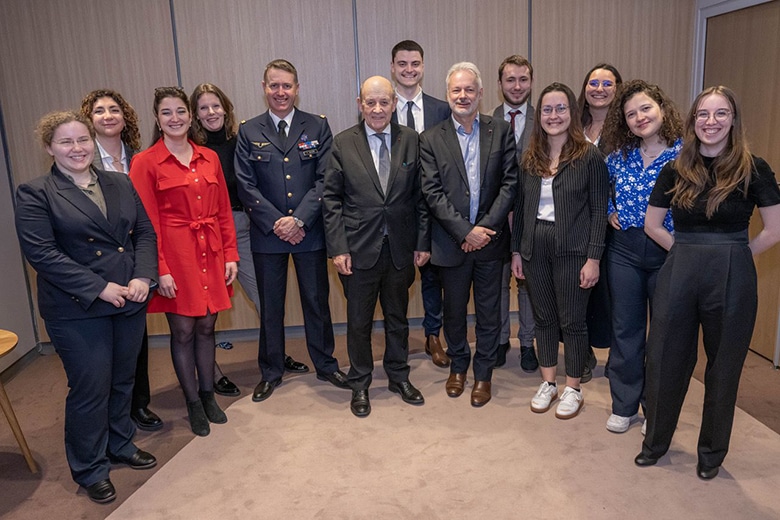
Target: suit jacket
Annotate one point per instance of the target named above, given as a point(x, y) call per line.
point(580, 191)
point(525, 137)
point(276, 181)
point(76, 250)
point(97, 162)
point(434, 111)
point(446, 189)
point(356, 210)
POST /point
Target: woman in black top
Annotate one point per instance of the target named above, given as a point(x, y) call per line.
point(709, 278)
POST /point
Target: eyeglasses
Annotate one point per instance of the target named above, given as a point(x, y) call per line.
point(594, 83)
point(720, 115)
point(82, 141)
point(559, 109)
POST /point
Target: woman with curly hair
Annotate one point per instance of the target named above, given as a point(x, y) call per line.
point(709, 277)
point(643, 130)
point(117, 139)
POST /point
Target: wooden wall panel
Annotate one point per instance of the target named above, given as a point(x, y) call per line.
point(647, 40)
point(743, 52)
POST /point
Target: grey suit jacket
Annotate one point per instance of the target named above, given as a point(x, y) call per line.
point(356, 211)
point(446, 189)
point(525, 137)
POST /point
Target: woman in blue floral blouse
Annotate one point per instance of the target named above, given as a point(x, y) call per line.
point(641, 134)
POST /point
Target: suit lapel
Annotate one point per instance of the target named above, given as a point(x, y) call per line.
point(449, 134)
point(485, 144)
point(297, 128)
point(111, 196)
point(272, 133)
point(82, 203)
point(364, 152)
point(395, 155)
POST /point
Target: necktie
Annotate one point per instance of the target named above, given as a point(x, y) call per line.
point(409, 116)
point(282, 133)
point(512, 115)
point(383, 168)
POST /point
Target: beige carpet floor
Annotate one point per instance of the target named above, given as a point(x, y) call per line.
point(302, 454)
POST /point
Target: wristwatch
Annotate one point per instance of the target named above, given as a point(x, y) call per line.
point(298, 222)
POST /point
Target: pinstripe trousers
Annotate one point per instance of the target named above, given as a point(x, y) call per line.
point(559, 304)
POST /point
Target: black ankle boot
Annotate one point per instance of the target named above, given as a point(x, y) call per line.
point(212, 409)
point(198, 420)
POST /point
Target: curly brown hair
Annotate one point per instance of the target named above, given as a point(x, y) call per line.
point(196, 130)
point(131, 135)
point(49, 123)
point(616, 134)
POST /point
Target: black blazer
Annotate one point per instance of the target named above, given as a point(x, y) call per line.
point(434, 111)
point(446, 189)
point(76, 250)
point(356, 211)
point(580, 191)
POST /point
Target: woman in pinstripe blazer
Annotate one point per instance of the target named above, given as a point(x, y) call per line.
point(558, 239)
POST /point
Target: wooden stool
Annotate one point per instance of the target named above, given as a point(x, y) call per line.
point(8, 341)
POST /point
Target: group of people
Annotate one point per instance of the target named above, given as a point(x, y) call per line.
point(603, 208)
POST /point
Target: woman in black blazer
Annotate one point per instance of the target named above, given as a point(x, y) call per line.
point(87, 235)
point(558, 238)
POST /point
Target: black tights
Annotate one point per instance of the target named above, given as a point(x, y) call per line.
point(192, 350)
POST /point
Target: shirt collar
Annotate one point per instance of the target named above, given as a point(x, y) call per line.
point(458, 126)
point(288, 118)
point(370, 131)
point(417, 99)
point(522, 108)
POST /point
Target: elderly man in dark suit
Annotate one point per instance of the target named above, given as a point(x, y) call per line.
point(515, 79)
point(419, 111)
point(280, 164)
point(377, 230)
point(469, 181)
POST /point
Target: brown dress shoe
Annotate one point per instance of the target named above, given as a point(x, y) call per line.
point(480, 394)
point(455, 384)
point(434, 349)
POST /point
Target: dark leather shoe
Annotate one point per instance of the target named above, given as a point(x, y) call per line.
point(408, 392)
point(503, 348)
point(528, 361)
point(705, 473)
point(337, 379)
point(146, 420)
point(294, 366)
point(264, 389)
point(434, 349)
point(644, 460)
point(138, 460)
point(455, 384)
point(360, 405)
point(480, 394)
point(226, 387)
point(101, 491)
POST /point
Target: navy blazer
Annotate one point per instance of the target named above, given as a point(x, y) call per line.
point(76, 251)
point(434, 111)
point(276, 181)
point(356, 210)
point(445, 186)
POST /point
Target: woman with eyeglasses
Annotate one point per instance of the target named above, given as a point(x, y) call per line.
point(183, 190)
point(558, 239)
point(709, 277)
point(643, 131)
point(85, 232)
point(596, 96)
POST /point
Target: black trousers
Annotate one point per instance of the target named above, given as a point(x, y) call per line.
point(142, 394)
point(708, 280)
point(362, 289)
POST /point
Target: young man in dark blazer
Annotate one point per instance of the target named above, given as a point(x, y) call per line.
point(419, 111)
point(469, 181)
point(377, 230)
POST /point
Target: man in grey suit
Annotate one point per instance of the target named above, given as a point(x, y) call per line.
point(469, 181)
point(377, 230)
point(419, 111)
point(515, 79)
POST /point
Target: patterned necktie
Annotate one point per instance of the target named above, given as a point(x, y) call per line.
point(383, 168)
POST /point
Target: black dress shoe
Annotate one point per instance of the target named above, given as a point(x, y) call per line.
point(337, 379)
point(502, 350)
point(528, 361)
point(644, 460)
point(294, 366)
point(360, 405)
point(408, 392)
point(226, 387)
point(101, 491)
point(146, 420)
point(264, 389)
point(138, 460)
point(705, 473)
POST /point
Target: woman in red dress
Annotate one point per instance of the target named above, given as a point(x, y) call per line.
point(183, 189)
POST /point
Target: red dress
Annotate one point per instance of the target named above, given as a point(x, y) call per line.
point(190, 210)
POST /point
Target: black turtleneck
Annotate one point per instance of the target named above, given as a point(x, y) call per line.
point(225, 149)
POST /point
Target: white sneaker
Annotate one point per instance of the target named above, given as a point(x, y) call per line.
point(544, 397)
point(644, 427)
point(570, 404)
point(620, 424)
